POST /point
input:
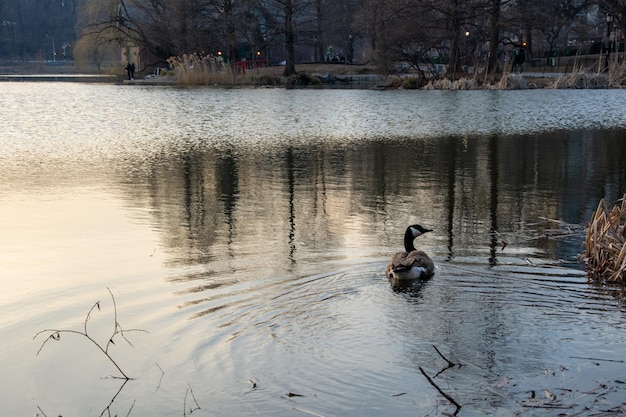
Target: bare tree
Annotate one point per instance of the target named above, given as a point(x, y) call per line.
point(291, 17)
point(380, 21)
point(168, 28)
point(492, 66)
point(339, 28)
point(409, 31)
point(550, 20)
point(232, 24)
point(412, 29)
point(320, 36)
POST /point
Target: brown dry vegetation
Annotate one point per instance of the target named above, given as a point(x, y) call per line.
point(605, 251)
point(208, 70)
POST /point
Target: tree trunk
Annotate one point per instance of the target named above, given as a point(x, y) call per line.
point(454, 64)
point(231, 34)
point(290, 62)
point(454, 57)
point(319, 36)
point(494, 39)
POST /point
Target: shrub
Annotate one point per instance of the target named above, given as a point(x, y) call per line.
point(394, 82)
point(266, 80)
point(303, 78)
point(411, 83)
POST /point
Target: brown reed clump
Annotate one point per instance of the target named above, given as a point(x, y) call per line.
point(617, 75)
point(446, 84)
point(197, 69)
point(581, 79)
point(606, 243)
point(511, 82)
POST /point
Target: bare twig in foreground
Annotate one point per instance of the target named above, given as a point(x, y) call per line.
point(457, 405)
point(450, 364)
point(197, 406)
point(162, 374)
point(55, 334)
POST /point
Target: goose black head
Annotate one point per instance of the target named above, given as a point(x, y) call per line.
point(411, 233)
point(417, 230)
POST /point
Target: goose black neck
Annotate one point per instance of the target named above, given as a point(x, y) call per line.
point(408, 241)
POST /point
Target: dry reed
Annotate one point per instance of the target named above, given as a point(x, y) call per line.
point(605, 251)
point(196, 69)
point(446, 84)
point(581, 79)
point(617, 75)
point(511, 82)
point(506, 82)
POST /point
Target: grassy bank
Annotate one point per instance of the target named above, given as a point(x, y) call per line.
point(209, 70)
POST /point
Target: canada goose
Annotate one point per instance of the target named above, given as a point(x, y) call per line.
point(412, 264)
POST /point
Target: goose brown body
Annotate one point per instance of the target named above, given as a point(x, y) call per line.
point(411, 264)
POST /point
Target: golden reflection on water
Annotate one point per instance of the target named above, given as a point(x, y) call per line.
point(67, 237)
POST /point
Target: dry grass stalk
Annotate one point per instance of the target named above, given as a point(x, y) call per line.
point(442, 84)
point(506, 82)
point(511, 82)
point(446, 84)
point(581, 79)
point(617, 75)
point(605, 250)
point(196, 69)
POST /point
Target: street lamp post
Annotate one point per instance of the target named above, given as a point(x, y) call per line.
point(607, 40)
point(467, 51)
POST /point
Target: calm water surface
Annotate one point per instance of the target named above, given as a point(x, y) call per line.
point(246, 232)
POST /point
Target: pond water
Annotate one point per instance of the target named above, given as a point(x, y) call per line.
point(243, 236)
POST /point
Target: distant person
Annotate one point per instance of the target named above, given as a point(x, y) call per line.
point(132, 70)
point(519, 56)
point(127, 68)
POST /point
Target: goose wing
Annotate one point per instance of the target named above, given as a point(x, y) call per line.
point(405, 261)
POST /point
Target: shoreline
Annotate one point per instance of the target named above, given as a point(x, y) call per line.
point(58, 77)
point(322, 75)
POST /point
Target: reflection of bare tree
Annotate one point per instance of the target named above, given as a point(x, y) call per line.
point(290, 196)
point(493, 200)
point(452, 155)
point(229, 188)
point(304, 201)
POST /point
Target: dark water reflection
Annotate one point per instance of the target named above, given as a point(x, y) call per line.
point(475, 191)
point(251, 241)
